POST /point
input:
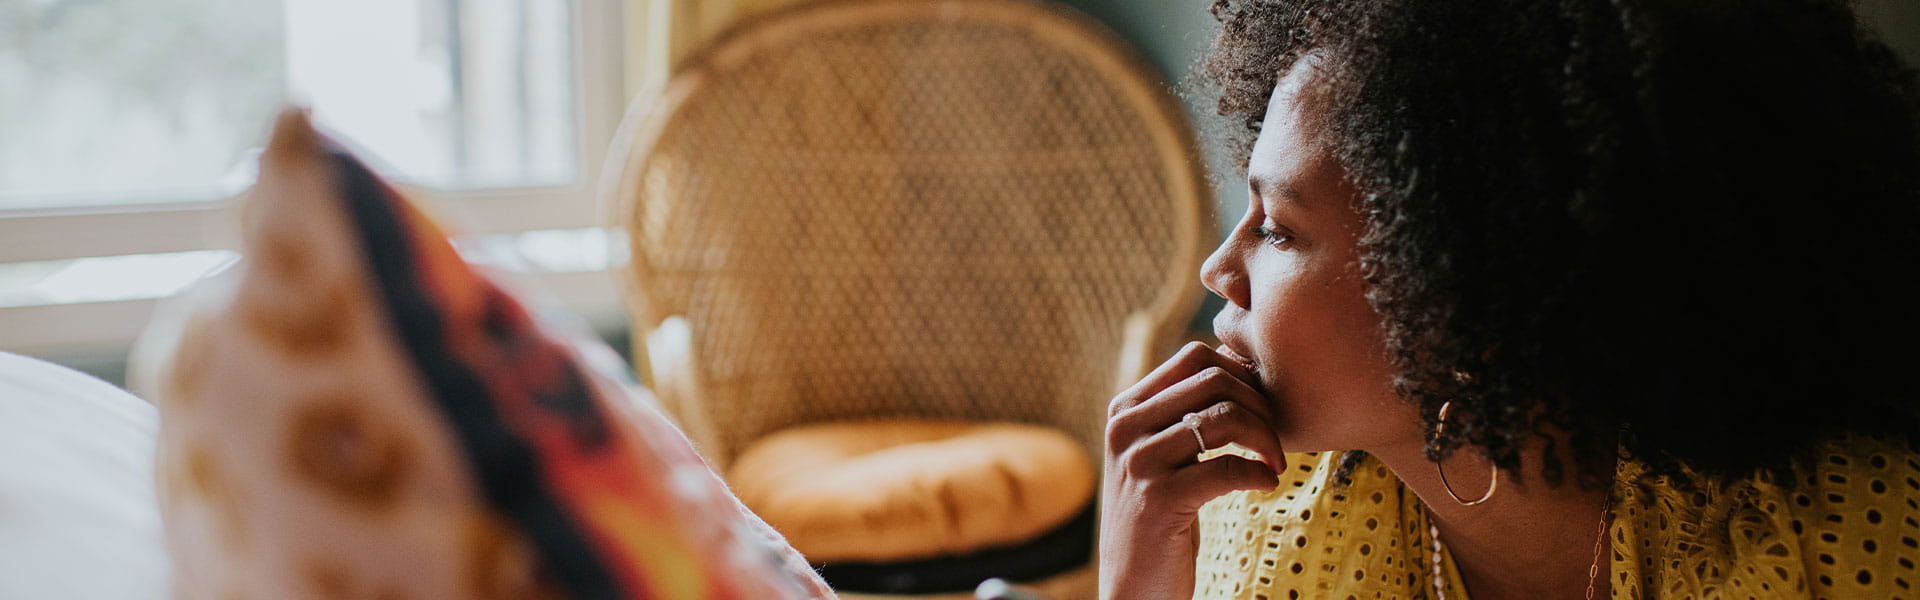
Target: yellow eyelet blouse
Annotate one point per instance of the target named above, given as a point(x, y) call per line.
point(1849, 530)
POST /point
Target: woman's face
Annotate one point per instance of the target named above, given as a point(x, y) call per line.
point(1296, 308)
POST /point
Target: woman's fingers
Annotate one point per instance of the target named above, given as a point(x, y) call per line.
point(1154, 485)
point(1220, 424)
point(1193, 394)
point(1167, 474)
point(1189, 361)
point(1206, 386)
point(1229, 473)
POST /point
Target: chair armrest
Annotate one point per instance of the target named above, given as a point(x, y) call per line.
point(1137, 346)
point(667, 358)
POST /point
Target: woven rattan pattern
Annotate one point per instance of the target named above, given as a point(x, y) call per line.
point(937, 209)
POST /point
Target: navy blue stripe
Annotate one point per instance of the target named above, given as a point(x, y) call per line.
point(505, 465)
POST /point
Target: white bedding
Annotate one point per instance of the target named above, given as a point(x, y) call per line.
point(78, 515)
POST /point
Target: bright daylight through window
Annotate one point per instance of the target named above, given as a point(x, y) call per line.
point(126, 124)
point(121, 101)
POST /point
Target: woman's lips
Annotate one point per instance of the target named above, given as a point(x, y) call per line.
point(1228, 352)
point(1225, 350)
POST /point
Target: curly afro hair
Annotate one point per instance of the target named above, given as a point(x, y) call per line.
point(1691, 227)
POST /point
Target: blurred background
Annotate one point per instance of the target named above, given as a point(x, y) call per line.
point(127, 126)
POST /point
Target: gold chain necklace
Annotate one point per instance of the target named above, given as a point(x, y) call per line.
point(1593, 570)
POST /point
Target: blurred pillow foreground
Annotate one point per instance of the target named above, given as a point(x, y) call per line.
point(353, 411)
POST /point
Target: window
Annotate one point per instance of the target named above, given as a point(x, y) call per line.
point(129, 124)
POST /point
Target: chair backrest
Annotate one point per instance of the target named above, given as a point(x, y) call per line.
point(910, 208)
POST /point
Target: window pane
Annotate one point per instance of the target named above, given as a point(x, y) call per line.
point(490, 106)
point(126, 101)
point(109, 101)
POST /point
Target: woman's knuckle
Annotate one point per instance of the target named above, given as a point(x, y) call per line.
point(1125, 421)
point(1192, 353)
point(1216, 380)
point(1222, 411)
point(1117, 437)
point(1131, 464)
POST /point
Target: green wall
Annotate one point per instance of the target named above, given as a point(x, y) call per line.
point(1172, 34)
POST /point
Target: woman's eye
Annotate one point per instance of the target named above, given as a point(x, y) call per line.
point(1272, 235)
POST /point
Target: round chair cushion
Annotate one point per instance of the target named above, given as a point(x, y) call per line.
point(895, 490)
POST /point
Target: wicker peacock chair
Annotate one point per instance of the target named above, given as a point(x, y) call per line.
point(975, 210)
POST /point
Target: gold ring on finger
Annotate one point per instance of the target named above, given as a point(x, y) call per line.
point(1192, 421)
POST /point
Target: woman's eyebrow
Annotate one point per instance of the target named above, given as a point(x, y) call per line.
point(1281, 191)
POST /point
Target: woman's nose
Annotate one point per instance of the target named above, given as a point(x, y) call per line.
point(1223, 275)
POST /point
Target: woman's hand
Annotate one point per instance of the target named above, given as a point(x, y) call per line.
point(1154, 482)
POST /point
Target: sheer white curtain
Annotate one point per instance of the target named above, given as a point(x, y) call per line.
point(662, 32)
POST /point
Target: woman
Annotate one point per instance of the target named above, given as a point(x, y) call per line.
point(1576, 298)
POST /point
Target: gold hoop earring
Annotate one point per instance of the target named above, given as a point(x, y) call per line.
point(1440, 428)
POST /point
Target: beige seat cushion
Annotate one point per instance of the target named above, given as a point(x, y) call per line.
point(882, 491)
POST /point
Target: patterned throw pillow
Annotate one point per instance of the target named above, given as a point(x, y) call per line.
point(354, 412)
